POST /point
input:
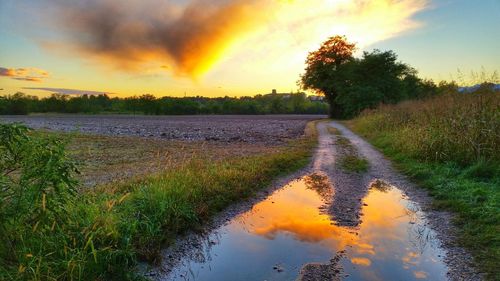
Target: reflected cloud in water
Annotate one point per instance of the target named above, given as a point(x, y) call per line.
point(288, 228)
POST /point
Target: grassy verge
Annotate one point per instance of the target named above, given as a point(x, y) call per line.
point(449, 145)
point(119, 158)
point(100, 234)
point(350, 161)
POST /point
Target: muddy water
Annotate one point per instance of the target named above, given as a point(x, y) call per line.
point(290, 229)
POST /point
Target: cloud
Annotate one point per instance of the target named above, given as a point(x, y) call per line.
point(31, 74)
point(192, 36)
point(188, 36)
point(64, 91)
point(361, 261)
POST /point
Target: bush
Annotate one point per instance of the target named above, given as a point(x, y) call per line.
point(46, 233)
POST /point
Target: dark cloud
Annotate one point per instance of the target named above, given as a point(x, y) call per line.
point(191, 36)
point(64, 91)
point(31, 74)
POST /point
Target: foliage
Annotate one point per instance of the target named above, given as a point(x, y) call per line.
point(37, 188)
point(295, 103)
point(50, 232)
point(450, 145)
point(353, 84)
point(323, 67)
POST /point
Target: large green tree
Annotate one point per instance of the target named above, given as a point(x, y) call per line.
point(351, 85)
point(377, 77)
point(323, 70)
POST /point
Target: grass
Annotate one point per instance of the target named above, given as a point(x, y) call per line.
point(103, 159)
point(350, 161)
point(353, 163)
point(106, 230)
point(449, 145)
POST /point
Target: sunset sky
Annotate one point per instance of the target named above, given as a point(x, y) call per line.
point(227, 47)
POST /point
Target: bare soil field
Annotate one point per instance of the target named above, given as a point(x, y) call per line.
point(114, 148)
point(262, 129)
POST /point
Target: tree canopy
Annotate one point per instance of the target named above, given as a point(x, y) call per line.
point(353, 84)
point(323, 66)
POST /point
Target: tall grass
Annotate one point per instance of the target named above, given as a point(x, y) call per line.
point(101, 234)
point(450, 144)
point(463, 128)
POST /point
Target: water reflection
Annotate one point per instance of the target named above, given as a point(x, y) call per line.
point(289, 229)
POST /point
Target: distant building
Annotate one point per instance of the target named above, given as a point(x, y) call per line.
point(284, 95)
point(287, 95)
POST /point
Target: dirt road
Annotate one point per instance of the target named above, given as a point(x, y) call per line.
point(328, 224)
point(351, 188)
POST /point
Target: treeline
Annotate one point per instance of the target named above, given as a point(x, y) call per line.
point(296, 103)
point(351, 84)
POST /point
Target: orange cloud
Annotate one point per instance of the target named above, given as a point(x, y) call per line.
point(192, 36)
point(420, 274)
point(361, 261)
point(31, 74)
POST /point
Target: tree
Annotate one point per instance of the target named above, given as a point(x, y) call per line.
point(351, 85)
point(323, 67)
point(377, 77)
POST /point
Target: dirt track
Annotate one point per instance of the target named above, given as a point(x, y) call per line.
point(350, 188)
point(344, 207)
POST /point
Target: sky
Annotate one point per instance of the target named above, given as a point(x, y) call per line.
point(228, 47)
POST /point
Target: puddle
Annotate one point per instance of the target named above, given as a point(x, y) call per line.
point(290, 229)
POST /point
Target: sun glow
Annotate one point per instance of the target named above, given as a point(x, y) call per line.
point(214, 48)
point(193, 37)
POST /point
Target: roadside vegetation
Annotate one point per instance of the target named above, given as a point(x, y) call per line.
point(294, 103)
point(350, 161)
point(449, 144)
point(51, 230)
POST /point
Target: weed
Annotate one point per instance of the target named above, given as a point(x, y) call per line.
point(353, 163)
point(350, 160)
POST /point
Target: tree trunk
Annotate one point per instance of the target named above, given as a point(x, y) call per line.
point(335, 111)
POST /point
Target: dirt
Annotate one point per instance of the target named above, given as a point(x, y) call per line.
point(262, 129)
point(111, 159)
point(330, 271)
point(350, 188)
point(344, 207)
